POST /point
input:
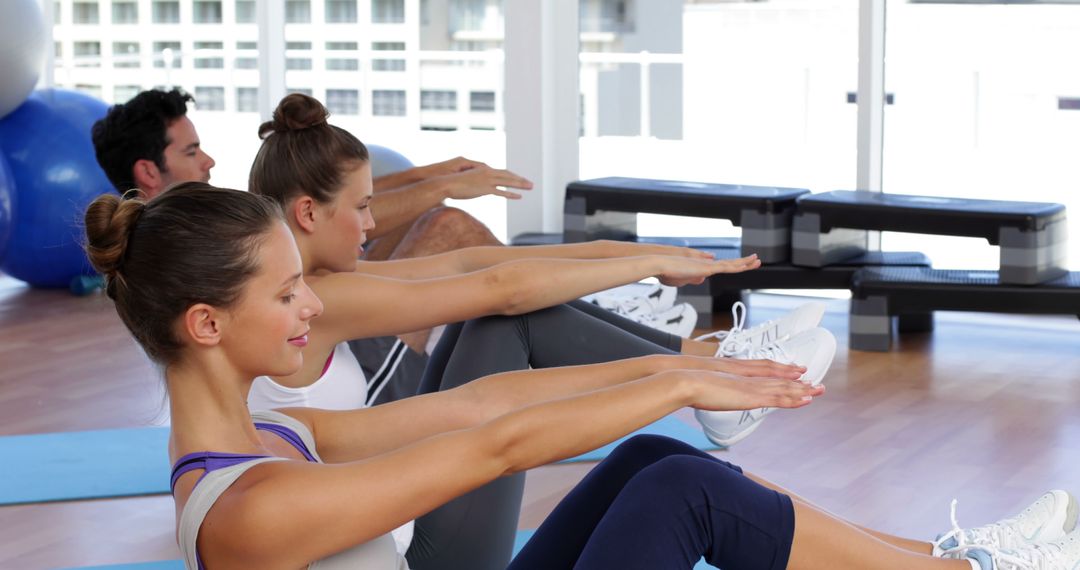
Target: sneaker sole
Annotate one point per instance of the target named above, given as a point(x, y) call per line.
point(726, 443)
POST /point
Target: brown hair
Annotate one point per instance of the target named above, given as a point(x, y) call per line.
point(193, 244)
point(301, 154)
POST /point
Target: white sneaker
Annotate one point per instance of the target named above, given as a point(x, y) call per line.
point(678, 320)
point(1061, 554)
point(635, 299)
point(737, 340)
point(1049, 518)
point(814, 349)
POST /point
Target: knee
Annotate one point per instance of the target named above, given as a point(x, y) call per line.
point(444, 222)
point(648, 447)
point(682, 481)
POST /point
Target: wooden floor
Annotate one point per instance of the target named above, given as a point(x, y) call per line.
point(985, 409)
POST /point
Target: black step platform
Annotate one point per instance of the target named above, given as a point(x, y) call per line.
point(878, 294)
point(537, 238)
point(832, 226)
point(608, 208)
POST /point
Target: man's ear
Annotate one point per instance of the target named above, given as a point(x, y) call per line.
point(203, 324)
point(147, 177)
point(304, 212)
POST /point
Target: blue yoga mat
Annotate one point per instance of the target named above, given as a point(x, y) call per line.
point(523, 536)
point(129, 462)
point(669, 426)
point(84, 465)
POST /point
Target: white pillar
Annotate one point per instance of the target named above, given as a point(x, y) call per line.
point(270, 16)
point(871, 96)
point(541, 96)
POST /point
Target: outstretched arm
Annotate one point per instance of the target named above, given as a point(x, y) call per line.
point(476, 258)
point(361, 306)
point(358, 434)
point(282, 515)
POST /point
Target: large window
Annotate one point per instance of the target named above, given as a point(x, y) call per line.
point(982, 117)
point(726, 92)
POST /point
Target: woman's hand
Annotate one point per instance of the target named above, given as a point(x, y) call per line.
point(679, 271)
point(745, 368)
point(632, 249)
point(716, 391)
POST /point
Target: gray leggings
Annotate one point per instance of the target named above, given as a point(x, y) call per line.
point(476, 531)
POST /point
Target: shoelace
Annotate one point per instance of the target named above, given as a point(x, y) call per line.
point(731, 343)
point(1036, 557)
point(625, 306)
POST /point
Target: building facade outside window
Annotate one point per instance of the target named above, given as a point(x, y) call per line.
point(482, 101)
point(340, 11)
point(125, 54)
point(247, 99)
point(207, 11)
point(438, 100)
point(387, 11)
point(343, 101)
point(165, 12)
point(209, 62)
point(298, 11)
point(245, 11)
point(84, 12)
point(124, 12)
point(210, 98)
point(388, 103)
point(388, 64)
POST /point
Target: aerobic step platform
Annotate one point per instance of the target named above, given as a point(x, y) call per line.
point(537, 238)
point(831, 226)
point(878, 294)
point(608, 208)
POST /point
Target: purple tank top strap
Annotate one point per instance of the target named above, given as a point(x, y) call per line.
point(290, 436)
point(207, 460)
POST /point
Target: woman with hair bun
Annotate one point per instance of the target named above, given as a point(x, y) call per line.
point(512, 309)
point(211, 284)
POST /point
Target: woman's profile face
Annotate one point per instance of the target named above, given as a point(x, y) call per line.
point(350, 218)
point(269, 324)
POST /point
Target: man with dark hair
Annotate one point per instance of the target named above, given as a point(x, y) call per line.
point(150, 144)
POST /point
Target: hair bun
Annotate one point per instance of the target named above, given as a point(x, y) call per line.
point(110, 220)
point(295, 112)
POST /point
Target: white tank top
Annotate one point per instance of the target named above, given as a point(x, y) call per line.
point(341, 387)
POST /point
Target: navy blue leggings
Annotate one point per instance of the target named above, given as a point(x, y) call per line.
point(657, 503)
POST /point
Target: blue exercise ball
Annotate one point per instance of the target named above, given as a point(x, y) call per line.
point(385, 161)
point(7, 204)
point(46, 141)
